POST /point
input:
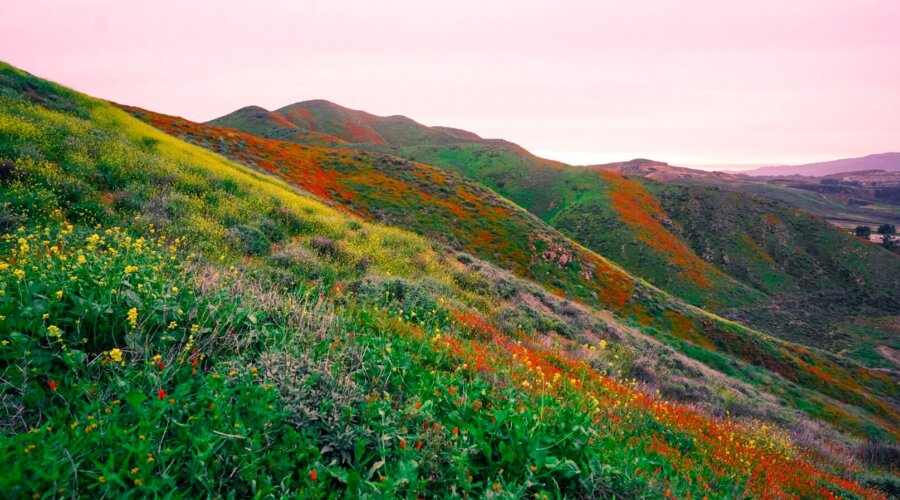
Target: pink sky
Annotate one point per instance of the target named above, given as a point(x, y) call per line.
point(691, 82)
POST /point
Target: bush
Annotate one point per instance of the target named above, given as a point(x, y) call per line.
point(8, 171)
point(291, 221)
point(270, 229)
point(320, 398)
point(879, 454)
point(326, 247)
point(249, 240)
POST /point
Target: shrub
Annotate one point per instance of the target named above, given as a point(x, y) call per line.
point(326, 247)
point(249, 240)
point(321, 399)
point(879, 454)
point(270, 229)
point(9, 171)
point(293, 223)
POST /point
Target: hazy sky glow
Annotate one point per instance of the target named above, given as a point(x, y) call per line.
point(690, 82)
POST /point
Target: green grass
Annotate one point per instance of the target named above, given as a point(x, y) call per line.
point(449, 209)
point(154, 345)
point(806, 279)
point(819, 276)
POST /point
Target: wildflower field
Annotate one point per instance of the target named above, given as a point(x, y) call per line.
point(447, 208)
point(175, 324)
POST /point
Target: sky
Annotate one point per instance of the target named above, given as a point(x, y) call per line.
point(691, 82)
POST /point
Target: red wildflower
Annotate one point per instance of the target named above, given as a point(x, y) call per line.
point(196, 360)
point(419, 445)
point(312, 475)
point(402, 444)
point(162, 394)
point(456, 431)
point(52, 385)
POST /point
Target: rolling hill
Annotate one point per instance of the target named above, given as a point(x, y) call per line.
point(622, 219)
point(450, 209)
point(176, 322)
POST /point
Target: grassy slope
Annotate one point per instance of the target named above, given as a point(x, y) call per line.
point(818, 203)
point(166, 357)
point(447, 208)
point(802, 261)
point(625, 222)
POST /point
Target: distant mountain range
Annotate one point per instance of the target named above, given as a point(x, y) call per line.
point(889, 162)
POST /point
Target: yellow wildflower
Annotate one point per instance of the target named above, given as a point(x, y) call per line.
point(116, 355)
point(173, 325)
point(133, 317)
point(131, 269)
point(59, 295)
point(81, 259)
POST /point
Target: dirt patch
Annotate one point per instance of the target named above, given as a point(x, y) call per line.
point(890, 354)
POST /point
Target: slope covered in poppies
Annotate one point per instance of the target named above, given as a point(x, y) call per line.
point(420, 197)
point(174, 322)
point(624, 220)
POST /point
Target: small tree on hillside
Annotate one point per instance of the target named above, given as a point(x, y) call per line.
point(887, 229)
point(863, 231)
point(891, 243)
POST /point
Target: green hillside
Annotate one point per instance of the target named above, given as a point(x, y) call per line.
point(875, 212)
point(450, 209)
point(794, 257)
point(625, 221)
point(174, 324)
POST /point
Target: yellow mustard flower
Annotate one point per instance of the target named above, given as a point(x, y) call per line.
point(133, 317)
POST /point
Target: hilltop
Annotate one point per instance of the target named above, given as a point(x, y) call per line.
point(660, 171)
